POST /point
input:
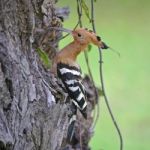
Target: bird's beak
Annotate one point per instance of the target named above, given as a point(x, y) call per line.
point(73, 32)
point(61, 29)
point(103, 45)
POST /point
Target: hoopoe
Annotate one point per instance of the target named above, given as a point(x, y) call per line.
point(66, 68)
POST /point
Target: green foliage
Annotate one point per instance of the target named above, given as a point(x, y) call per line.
point(100, 92)
point(131, 39)
point(89, 47)
point(86, 9)
point(44, 58)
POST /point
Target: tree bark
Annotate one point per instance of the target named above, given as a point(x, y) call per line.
point(29, 117)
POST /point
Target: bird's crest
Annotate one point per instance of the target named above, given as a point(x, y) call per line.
point(85, 36)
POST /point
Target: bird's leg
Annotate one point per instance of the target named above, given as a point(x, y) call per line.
point(65, 97)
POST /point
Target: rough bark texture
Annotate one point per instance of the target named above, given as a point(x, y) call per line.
point(29, 117)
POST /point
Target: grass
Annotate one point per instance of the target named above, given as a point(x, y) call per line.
point(125, 26)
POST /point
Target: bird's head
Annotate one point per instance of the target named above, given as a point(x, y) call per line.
point(85, 37)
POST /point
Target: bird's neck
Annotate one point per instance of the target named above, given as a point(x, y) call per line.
point(68, 55)
point(73, 50)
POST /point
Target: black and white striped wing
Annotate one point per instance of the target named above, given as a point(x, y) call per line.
point(71, 78)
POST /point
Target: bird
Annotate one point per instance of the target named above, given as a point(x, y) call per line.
point(66, 68)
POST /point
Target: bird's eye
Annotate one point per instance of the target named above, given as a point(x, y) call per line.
point(98, 38)
point(79, 35)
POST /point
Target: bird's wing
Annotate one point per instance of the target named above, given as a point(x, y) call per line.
point(71, 78)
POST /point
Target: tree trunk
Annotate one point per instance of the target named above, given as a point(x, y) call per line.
point(29, 117)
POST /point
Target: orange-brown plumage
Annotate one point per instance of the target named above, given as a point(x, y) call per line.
point(67, 70)
point(82, 38)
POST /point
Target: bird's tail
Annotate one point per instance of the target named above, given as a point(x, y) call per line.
point(71, 138)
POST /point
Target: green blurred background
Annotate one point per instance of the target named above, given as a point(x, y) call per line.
point(125, 26)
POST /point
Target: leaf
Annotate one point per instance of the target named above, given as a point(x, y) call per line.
point(86, 9)
point(89, 47)
point(44, 58)
point(95, 0)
